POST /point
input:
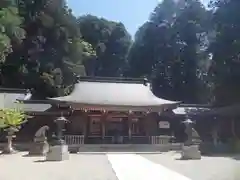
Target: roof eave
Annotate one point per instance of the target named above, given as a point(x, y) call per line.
point(14, 90)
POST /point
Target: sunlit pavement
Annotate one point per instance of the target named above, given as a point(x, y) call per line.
point(208, 168)
point(118, 166)
point(130, 166)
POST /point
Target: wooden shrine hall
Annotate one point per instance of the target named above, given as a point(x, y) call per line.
point(105, 111)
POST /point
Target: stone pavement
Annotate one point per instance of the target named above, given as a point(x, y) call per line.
point(208, 168)
point(118, 166)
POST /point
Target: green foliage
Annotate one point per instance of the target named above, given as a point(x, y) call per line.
point(57, 46)
point(225, 47)
point(5, 46)
point(10, 30)
point(111, 42)
point(167, 49)
point(190, 53)
point(12, 119)
point(52, 53)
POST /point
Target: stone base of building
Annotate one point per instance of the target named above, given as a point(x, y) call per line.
point(140, 148)
point(190, 152)
point(58, 153)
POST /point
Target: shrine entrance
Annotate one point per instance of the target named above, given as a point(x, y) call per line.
point(113, 129)
point(116, 127)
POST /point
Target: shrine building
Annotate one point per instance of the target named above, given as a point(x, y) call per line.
point(99, 109)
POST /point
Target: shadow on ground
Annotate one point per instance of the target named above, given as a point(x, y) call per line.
point(31, 155)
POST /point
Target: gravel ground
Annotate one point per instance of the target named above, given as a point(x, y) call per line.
point(208, 168)
point(97, 167)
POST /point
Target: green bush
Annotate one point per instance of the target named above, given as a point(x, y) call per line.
point(12, 119)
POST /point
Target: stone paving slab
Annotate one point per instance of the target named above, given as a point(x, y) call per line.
point(208, 168)
point(79, 167)
point(103, 166)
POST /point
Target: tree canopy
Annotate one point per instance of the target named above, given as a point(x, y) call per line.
point(189, 52)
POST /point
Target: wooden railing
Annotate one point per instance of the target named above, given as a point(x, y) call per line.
point(117, 140)
point(79, 139)
point(74, 139)
point(160, 139)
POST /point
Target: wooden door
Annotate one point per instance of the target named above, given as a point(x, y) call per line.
point(95, 126)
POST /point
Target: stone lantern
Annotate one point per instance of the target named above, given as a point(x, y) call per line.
point(188, 130)
point(60, 122)
point(59, 149)
point(189, 149)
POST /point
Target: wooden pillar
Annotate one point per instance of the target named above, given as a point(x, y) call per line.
point(103, 124)
point(130, 125)
point(103, 127)
point(146, 124)
point(85, 123)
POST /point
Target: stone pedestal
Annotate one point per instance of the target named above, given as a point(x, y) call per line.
point(39, 148)
point(58, 153)
point(191, 152)
point(9, 150)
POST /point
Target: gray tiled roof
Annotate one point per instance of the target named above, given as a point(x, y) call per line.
point(9, 100)
point(34, 107)
point(113, 94)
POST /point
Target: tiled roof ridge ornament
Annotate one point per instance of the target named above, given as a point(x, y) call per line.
point(28, 95)
point(77, 78)
point(147, 83)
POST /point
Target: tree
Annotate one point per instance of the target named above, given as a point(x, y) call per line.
point(225, 49)
point(11, 31)
point(52, 53)
point(110, 40)
point(57, 46)
point(168, 48)
point(190, 29)
point(114, 59)
point(11, 121)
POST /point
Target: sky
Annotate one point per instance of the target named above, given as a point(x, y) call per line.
point(132, 13)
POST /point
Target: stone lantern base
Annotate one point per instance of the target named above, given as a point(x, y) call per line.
point(8, 150)
point(58, 153)
point(191, 152)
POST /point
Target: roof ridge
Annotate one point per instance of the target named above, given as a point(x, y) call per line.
point(113, 79)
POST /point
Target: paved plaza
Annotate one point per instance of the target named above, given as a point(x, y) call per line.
point(119, 166)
